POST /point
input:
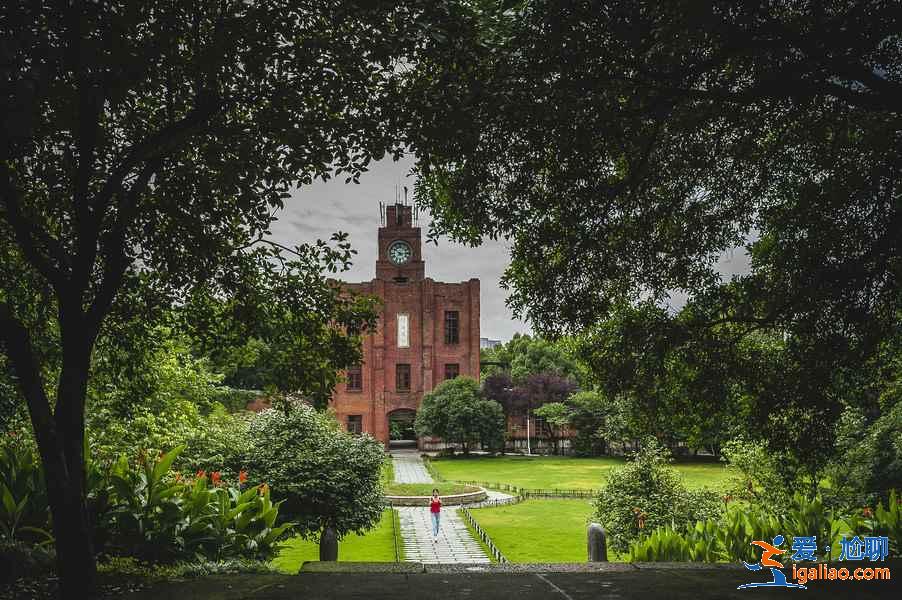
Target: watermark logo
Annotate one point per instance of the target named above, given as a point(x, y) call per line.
point(776, 568)
point(804, 548)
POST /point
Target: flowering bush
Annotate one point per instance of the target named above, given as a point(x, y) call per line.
point(160, 516)
point(147, 510)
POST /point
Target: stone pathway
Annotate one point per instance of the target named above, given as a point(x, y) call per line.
point(493, 498)
point(454, 545)
point(409, 467)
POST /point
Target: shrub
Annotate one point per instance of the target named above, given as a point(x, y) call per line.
point(557, 417)
point(18, 559)
point(146, 510)
point(456, 412)
point(220, 443)
point(23, 496)
point(146, 428)
point(869, 452)
point(215, 440)
point(326, 476)
point(728, 538)
point(587, 419)
point(755, 474)
point(646, 494)
point(158, 516)
point(235, 400)
point(888, 521)
point(127, 566)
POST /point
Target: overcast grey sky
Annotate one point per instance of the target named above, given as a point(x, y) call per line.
point(317, 211)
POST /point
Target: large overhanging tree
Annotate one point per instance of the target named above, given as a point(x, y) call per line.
point(146, 147)
point(624, 146)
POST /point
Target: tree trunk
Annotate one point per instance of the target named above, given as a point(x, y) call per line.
point(60, 439)
point(76, 566)
point(75, 548)
point(328, 545)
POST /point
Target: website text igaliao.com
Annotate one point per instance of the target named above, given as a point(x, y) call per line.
point(824, 573)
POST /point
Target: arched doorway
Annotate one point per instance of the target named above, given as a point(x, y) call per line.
point(400, 428)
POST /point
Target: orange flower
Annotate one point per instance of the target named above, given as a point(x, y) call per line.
point(867, 512)
point(201, 474)
point(242, 477)
point(215, 477)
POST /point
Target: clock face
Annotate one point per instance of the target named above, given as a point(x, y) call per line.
point(399, 252)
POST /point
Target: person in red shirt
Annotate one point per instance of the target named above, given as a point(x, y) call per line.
point(435, 509)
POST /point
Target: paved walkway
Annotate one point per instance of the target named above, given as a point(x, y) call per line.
point(493, 498)
point(409, 467)
point(454, 544)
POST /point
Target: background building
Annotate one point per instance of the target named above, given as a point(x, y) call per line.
point(428, 331)
point(486, 343)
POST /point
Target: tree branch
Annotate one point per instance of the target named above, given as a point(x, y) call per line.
point(88, 113)
point(27, 233)
point(28, 372)
point(798, 89)
point(155, 144)
point(115, 261)
point(262, 240)
point(149, 151)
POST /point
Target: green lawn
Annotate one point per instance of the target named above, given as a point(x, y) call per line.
point(387, 472)
point(425, 489)
point(538, 531)
point(560, 472)
point(375, 546)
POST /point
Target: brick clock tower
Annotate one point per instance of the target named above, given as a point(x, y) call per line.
point(428, 331)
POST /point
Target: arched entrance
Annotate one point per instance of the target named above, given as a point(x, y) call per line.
point(400, 428)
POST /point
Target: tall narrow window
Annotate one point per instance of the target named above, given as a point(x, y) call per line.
point(452, 327)
point(403, 331)
point(355, 379)
point(452, 370)
point(355, 423)
point(402, 378)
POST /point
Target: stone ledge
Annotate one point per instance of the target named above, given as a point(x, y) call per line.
point(315, 566)
point(601, 567)
point(452, 500)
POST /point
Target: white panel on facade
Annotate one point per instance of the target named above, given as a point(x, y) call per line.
point(403, 331)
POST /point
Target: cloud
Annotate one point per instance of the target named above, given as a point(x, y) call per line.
point(319, 210)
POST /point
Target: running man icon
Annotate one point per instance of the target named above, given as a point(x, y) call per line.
point(779, 578)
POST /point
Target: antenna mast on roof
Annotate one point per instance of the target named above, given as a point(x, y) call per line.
point(415, 210)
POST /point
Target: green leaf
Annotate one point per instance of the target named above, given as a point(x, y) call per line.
point(165, 462)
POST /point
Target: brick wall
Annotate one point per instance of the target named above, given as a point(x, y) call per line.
point(404, 289)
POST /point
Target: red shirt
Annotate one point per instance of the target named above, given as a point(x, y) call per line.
point(435, 506)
